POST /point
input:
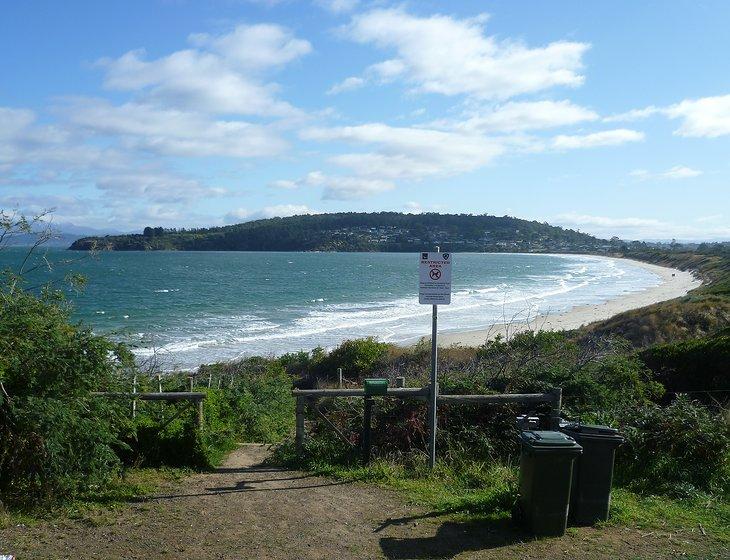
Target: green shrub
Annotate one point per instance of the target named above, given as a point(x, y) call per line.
point(56, 439)
point(358, 358)
point(679, 449)
point(254, 405)
point(696, 365)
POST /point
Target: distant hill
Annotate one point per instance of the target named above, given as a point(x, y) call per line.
point(352, 231)
point(64, 234)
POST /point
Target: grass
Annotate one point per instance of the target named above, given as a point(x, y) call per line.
point(708, 514)
point(99, 507)
point(471, 491)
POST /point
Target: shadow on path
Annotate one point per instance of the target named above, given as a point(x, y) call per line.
point(452, 538)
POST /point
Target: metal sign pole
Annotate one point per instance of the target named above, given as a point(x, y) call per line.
point(434, 385)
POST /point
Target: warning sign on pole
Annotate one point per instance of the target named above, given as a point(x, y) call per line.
point(435, 279)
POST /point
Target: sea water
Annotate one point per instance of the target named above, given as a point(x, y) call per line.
point(188, 308)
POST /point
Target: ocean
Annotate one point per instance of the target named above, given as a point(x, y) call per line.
point(188, 308)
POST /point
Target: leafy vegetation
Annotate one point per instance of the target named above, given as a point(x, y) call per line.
point(59, 443)
point(56, 439)
point(352, 231)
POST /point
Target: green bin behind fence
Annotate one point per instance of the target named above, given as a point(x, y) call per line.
point(546, 469)
point(375, 387)
point(590, 498)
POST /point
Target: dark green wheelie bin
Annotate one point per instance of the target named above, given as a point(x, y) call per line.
point(546, 470)
point(590, 497)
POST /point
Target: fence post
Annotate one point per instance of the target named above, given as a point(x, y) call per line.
point(556, 406)
point(210, 379)
point(299, 438)
point(366, 428)
point(339, 378)
point(134, 401)
point(199, 405)
point(400, 382)
point(159, 383)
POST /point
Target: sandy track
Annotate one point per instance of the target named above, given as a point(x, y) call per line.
point(248, 510)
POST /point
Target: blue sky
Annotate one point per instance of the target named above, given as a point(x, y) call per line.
point(612, 118)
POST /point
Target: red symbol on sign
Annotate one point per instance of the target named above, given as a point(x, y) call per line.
point(435, 274)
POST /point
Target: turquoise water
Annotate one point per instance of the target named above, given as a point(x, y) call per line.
point(198, 307)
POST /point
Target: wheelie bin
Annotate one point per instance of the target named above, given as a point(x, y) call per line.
point(546, 470)
point(590, 498)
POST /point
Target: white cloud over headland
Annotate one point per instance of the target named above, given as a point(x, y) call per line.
point(596, 139)
point(276, 211)
point(638, 228)
point(677, 172)
point(451, 56)
point(705, 117)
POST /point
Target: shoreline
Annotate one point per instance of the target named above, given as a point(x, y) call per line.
point(674, 283)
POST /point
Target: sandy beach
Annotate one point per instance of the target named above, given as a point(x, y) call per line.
point(675, 283)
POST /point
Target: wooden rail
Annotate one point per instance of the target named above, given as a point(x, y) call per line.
point(195, 398)
point(304, 396)
point(398, 392)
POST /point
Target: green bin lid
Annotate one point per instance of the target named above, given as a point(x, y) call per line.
point(547, 439)
point(591, 429)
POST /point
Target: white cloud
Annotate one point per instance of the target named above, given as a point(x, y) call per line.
point(349, 188)
point(174, 132)
point(348, 84)
point(525, 115)
point(711, 218)
point(222, 79)
point(157, 186)
point(277, 211)
point(634, 114)
point(596, 139)
point(338, 187)
point(255, 47)
point(409, 153)
point(284, 184)
point(674, 173)
point(637, 228)
point(450, 56)
point(337, 6)
point(707, 117)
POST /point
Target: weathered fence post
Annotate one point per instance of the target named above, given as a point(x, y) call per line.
point(159, 383)
point(199, 405)
point(339, 378)
point(190, 377)
point(134, 401)
point(210, 379)
point(400, 382)
point(556, 406)
point(366, 429)
point(299, 438)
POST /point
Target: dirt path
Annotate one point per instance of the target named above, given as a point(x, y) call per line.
point(247, 510)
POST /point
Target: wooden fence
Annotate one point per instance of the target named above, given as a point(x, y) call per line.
point(310, 396)
point(195, 399)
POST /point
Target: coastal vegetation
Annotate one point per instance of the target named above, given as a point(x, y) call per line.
point(358, 231)
point(667, 392)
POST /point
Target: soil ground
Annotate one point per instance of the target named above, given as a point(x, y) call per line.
point(248, 510)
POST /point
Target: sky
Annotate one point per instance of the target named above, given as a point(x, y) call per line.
point(608, 117)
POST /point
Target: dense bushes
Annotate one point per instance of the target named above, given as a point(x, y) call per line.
point(253, 404)
point(56, 440)
point(679, 449)
point(357, 358)
point(700, 365)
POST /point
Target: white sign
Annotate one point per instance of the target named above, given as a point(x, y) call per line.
point(434, 275)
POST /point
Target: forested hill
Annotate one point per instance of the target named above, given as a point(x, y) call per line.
point(351, 231)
